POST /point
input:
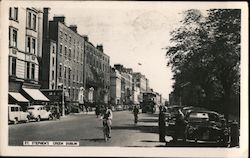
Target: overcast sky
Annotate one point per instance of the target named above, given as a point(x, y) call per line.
point(130, 34)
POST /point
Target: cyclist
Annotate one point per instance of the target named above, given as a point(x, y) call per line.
point(107, 116)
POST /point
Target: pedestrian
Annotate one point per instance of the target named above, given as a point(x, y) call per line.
point(97, 110)
point(162, 125)
point(136, 112)
point(179, 126)
point(86, 108)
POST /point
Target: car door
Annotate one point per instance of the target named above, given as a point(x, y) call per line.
point(43, 113)
point(23, 115)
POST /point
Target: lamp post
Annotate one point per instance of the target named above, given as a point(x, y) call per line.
point(64, 73)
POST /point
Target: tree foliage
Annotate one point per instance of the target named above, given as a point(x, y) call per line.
point(206, 54)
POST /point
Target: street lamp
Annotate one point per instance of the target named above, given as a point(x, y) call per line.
point(64, 73)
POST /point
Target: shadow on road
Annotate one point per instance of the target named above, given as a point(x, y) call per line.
point(144, 129)
point(150, 141)
point(94, 140)
point(148, 120)
point(189, 144)
point(151, 115)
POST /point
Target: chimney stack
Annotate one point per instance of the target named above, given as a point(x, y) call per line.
point(73, 28)
point(100, 47)
point(59, 19)
point(85, 37)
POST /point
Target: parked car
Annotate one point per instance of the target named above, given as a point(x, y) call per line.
point(38, 112)
point(188, 109)
point(16, 114)
point(118, 108)
point(204, 126)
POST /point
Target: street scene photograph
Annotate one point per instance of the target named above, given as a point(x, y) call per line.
point(124, 75)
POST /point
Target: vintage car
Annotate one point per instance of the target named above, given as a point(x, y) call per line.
point(188, 109)
point(38, 112)
point(119, 108)
point(204, 126)
point(16, 114)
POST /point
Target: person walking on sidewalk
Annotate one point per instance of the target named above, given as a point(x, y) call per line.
point(136, 112)
point(97, 110)
point(162, 124)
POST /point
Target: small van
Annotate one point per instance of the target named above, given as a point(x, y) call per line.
point(16, 114)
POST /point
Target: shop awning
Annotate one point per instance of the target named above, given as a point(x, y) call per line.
point(36, 94)
point(18, 97)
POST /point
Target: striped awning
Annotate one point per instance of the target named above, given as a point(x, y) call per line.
point(18, 97)
point(36, 94)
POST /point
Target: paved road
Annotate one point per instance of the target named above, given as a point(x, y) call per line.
point(87, 129)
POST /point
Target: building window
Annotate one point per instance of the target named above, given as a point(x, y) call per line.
point(13, 14)
point(81, 59)
point(53, 49)
point(65, 51)
point(33, 71)
point(14, 38)
point(10, 13)
point(33, 46)
point(53, 61)
point(65, 37)
point(76, 75)
point(28, 45)
point(69, 53)
point(60, 49)
point(65, 72)
point(31, 20)
point(13, 66)
point(69, 74)
point(61, 35)
point(53, 73)
point(34, 21)
point(28, 70)
point(60, 70)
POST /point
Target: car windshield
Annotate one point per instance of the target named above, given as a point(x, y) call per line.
point(173, 110)
point(198, 117)
point(31, 108)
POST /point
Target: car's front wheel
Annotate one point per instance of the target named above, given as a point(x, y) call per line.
point(38, 118)
point(50, 117)
point(27, 119)
point(15, 121)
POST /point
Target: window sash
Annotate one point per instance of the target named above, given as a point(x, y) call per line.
point(28, 70)
point(33, 46)
point(33, 71)
point(29, 19)
point(15, 13)
point(14, 38)
point(13, 66)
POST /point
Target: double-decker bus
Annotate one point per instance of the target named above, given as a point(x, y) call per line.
point(148, 103)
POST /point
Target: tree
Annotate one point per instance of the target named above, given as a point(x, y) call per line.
point(206, 53)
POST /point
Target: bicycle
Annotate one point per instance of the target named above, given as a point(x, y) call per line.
point(106, 129)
